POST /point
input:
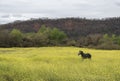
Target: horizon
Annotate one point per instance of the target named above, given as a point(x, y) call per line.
point(22, 20)
point(12, 10)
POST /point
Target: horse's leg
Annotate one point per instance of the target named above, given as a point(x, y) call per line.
point(82, 59)
point(89, 58)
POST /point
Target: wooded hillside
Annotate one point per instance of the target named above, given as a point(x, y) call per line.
point(81, 32)
point(73, 27)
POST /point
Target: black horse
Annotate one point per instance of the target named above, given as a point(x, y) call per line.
point(84, 55)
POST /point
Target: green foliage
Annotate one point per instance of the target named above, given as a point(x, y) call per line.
point(71, 43)
point(17, 34)
point(106, 36)
point(4, 39)
point(47, 36)
point(16, 37)
point(57, 35)
point(40, 40)
point(42, 29)
point(54, 36)
point(44, 37)
point(109, 42)
point(118, 40)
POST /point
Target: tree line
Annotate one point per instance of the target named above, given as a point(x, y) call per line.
point(52, 36)
point(44, 37)
point(80, 32)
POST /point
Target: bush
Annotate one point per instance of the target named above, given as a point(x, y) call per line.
point(108, 46)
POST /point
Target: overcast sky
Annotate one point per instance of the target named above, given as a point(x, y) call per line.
point(11, 10)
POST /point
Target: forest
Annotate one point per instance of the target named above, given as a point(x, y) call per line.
point(80, 32)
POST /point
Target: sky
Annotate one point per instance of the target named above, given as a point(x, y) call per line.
point(12, 10)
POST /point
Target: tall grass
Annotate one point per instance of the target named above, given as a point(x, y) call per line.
point(58, 64)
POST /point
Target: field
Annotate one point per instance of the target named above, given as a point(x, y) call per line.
point(58, 64)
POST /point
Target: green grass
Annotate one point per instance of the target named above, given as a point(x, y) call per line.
point(58, 64)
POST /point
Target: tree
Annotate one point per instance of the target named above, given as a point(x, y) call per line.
point(54, 35)
point(40, 40)
point(4, 38)
point(16, 37)
point(57, 35)
point(42, 29)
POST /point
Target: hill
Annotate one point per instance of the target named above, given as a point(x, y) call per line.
point(73, 27)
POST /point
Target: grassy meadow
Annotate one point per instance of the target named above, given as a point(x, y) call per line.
point(58, 64)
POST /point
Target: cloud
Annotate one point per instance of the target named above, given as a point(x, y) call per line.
point(6, 18)
point(117, 3)
point(25, 9)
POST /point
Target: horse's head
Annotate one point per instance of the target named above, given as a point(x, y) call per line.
point(80, 52)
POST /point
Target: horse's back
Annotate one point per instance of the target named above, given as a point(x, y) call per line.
point(88, 55)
